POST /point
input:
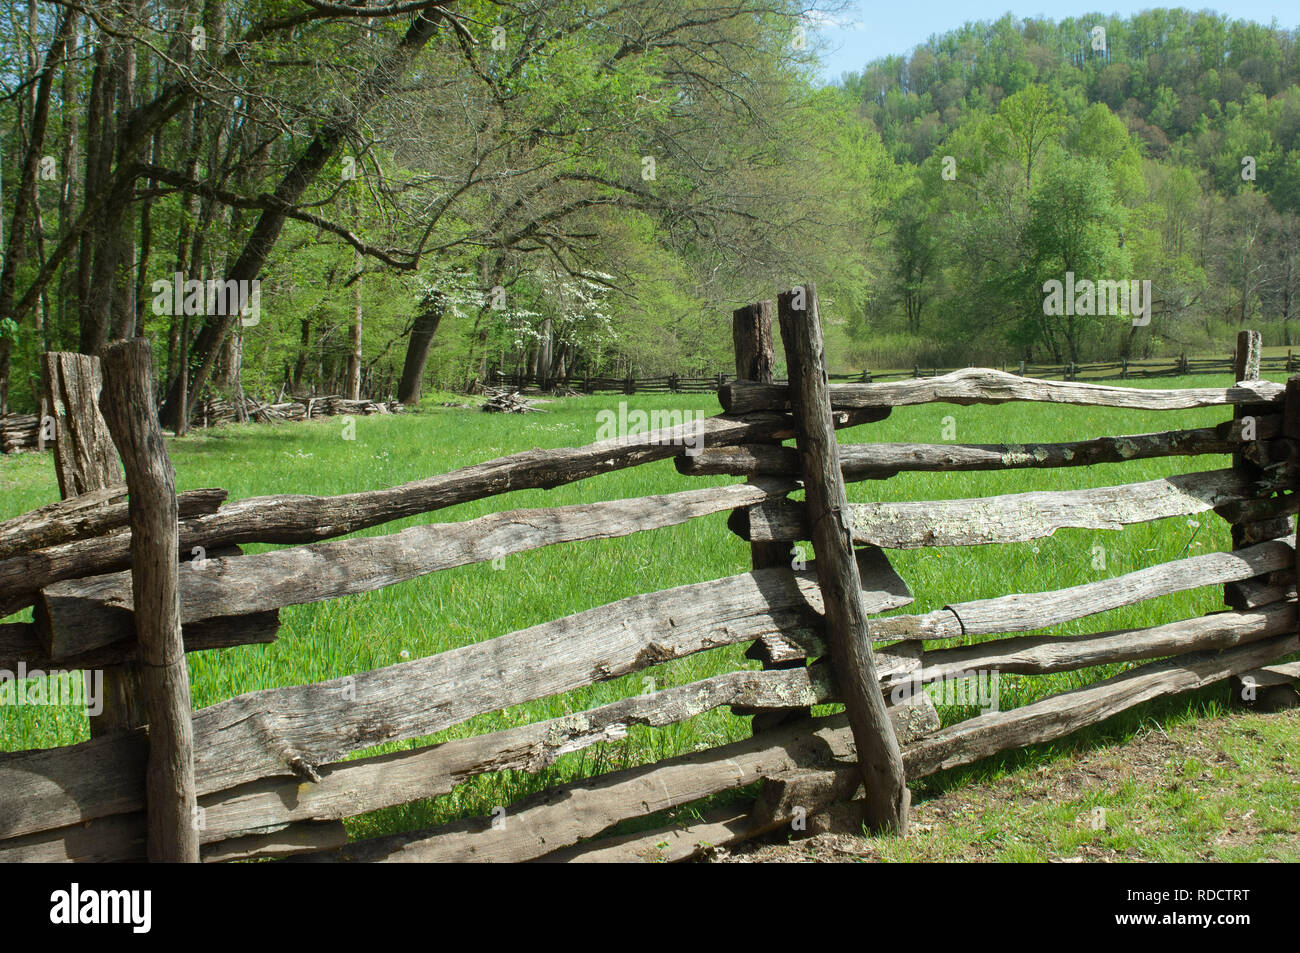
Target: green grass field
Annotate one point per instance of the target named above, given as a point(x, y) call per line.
point(461, 606)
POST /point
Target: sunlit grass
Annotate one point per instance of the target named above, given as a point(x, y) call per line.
point(460, 606)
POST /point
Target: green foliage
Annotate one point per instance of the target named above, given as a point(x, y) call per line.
point(629, 175)
point(1166, 152)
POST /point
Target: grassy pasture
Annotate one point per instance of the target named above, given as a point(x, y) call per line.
point(473, 603)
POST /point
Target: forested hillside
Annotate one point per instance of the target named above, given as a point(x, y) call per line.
point(428, 189)
point(1164, 147)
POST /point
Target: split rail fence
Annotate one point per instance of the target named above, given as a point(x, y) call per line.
point(265, 774)
point(1144, 369)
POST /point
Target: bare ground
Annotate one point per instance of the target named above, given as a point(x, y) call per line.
point(1225, 788)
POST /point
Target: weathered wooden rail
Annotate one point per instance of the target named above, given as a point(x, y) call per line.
point(1140, 369)
point(273, 773)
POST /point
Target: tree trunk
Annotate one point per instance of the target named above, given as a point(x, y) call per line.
point(69, 166)
point(544, 355)
point(300, 365)
point(353, 389)
point(385, 75)
point(417, 349)
point(17, 248)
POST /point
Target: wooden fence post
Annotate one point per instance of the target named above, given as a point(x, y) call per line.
point(1246, 368)
point(751, 336)
point(879, 759)
point(84, 456)
point(85, 459)
point(1267, 689)
point(128, 406)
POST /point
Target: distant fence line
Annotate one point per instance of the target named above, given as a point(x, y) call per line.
point(1180, 366)
point(19, 432)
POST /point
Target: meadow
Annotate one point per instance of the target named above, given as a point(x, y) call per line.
point(473, 603)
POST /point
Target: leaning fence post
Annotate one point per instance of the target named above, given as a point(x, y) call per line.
point(879, 759)
point(128, 406)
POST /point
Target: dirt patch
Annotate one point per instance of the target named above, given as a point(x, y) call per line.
point(1215, 789)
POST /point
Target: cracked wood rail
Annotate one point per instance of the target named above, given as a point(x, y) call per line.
point(305, 519)
point(1022, 612)
point(288, 731)
point(863, 461)
point(1010, 518)
point(82, 614)
point(348, 788)
point(982, 385)
point(820, 784)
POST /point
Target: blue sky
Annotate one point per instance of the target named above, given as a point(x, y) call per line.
point(868, 29)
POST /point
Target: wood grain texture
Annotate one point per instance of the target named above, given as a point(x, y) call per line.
point(1043, 654)
point(289, 732)
point(84, 457)
point(979, 737)
point(1010, 518)
point(1285, 673)
point(571, 819)
point(79, 615)
point(305, 519)
point(563, 816)
point(85, 461)
point(132, 418)
point(1249, 524)
point(755, 354)
point(963, 743)
point(19, 642)
point(982, 385)
point(296, 839)
point(887, 797)
point(1023, 612)
point(803, 793)
point(879, 460)
point(91, 514)
point(1291, 429)
point(348, 788)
